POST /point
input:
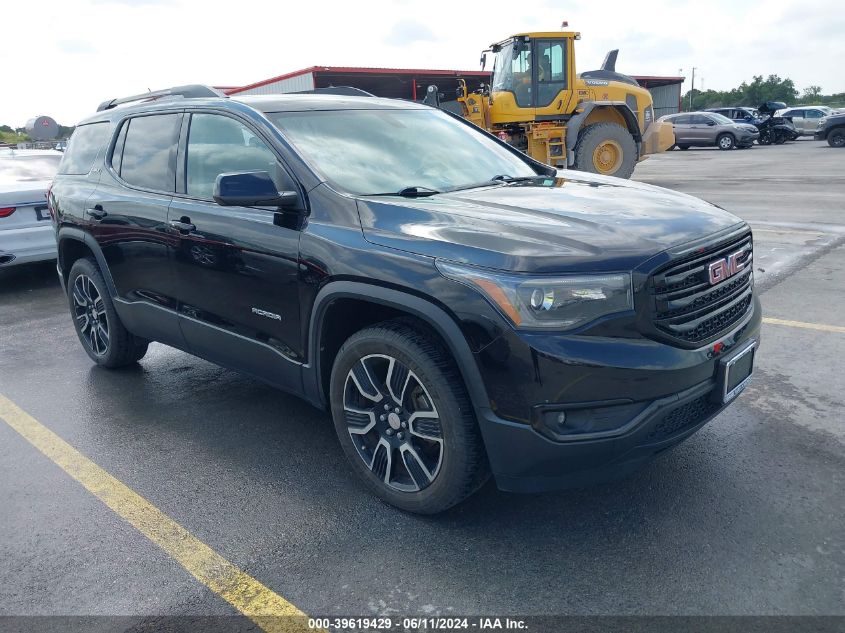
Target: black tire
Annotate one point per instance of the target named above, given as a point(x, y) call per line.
point(100, 330)
point(593, 136)
point(726, 141)
point(432, 379)
point(683, 147)
point(836, 137)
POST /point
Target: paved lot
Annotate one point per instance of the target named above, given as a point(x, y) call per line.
point(746, 517)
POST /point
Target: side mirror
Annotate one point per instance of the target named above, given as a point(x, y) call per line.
point(711, 123)
point(251, 189)
point(483, 60)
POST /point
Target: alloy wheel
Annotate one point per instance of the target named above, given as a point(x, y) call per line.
point(90, 314)
point(393, 423)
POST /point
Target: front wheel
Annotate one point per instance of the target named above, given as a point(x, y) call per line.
point(99, 328)
point(404, 419)
point(726, 141)
point(836, 137)
point(606, 148)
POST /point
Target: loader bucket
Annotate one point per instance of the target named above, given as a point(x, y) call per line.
point(659, 137)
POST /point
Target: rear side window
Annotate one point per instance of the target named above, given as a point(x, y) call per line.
point(683, 119)
point(149, 151)
point(83, 147)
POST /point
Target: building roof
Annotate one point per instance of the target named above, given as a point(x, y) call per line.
point(352, 70)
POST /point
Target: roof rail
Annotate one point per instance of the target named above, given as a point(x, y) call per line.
point(187, 92)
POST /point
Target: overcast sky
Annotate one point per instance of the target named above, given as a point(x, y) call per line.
point(63, 57)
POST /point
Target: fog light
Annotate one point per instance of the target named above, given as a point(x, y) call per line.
point(559, 423)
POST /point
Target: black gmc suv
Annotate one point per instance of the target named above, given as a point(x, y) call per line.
point(459, 308)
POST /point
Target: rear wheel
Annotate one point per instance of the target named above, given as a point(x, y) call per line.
point(606, 148)
point(726, 141)
point(836, 137)
point(97, 325)
point(404, 419)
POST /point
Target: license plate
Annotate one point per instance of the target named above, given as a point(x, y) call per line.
point(735, 372)
point(42, 213)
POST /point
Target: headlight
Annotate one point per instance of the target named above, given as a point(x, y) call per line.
point(560, 302)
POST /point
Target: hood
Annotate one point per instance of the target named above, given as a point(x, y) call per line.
point(585, 220)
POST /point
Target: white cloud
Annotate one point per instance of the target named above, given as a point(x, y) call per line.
point(406, 32)
point(88, 51)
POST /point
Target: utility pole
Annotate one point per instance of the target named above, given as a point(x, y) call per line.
point(692, 88)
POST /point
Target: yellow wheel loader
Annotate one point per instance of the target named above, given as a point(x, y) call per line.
point(599, 121)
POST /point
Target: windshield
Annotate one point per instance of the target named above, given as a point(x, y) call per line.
point(720, 118)
point(386, 151)
point(28, 168)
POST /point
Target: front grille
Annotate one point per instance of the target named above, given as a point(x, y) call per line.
point(688, 308)
point(687, 415)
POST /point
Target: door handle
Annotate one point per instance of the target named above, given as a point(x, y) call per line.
point(183, 227)
point(98, 213)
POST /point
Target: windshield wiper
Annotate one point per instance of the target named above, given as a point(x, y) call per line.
point(500, 179)
point(409, 192)
point(506, 178)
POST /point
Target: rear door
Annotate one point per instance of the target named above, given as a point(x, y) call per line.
point(237, 267)
point(128, 218)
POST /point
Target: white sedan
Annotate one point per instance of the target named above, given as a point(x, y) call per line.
point(26, 232)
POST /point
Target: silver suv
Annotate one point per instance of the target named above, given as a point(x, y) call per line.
point(705, 129)
point(806, 119)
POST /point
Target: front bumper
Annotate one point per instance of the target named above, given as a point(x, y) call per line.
point(664, 394)
point(748, 139)
point(820, 135)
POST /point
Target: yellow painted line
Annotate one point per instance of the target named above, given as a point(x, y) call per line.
point(807, 326)
point(266, 608)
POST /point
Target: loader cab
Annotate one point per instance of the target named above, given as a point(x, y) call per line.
point(532, 76)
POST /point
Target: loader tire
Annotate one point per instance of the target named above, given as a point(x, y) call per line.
point(607, 149)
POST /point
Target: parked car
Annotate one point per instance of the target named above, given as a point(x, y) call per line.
point(26, 234)
point(832, 130)
point(458, 307)
point(739, 114)
point(705, 129)
point(805, 118)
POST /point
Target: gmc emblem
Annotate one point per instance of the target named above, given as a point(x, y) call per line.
point(721, 269)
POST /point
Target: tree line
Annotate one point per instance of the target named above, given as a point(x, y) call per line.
point(771, 88)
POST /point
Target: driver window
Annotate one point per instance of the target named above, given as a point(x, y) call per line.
point(551, 70)
point(218, 145)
